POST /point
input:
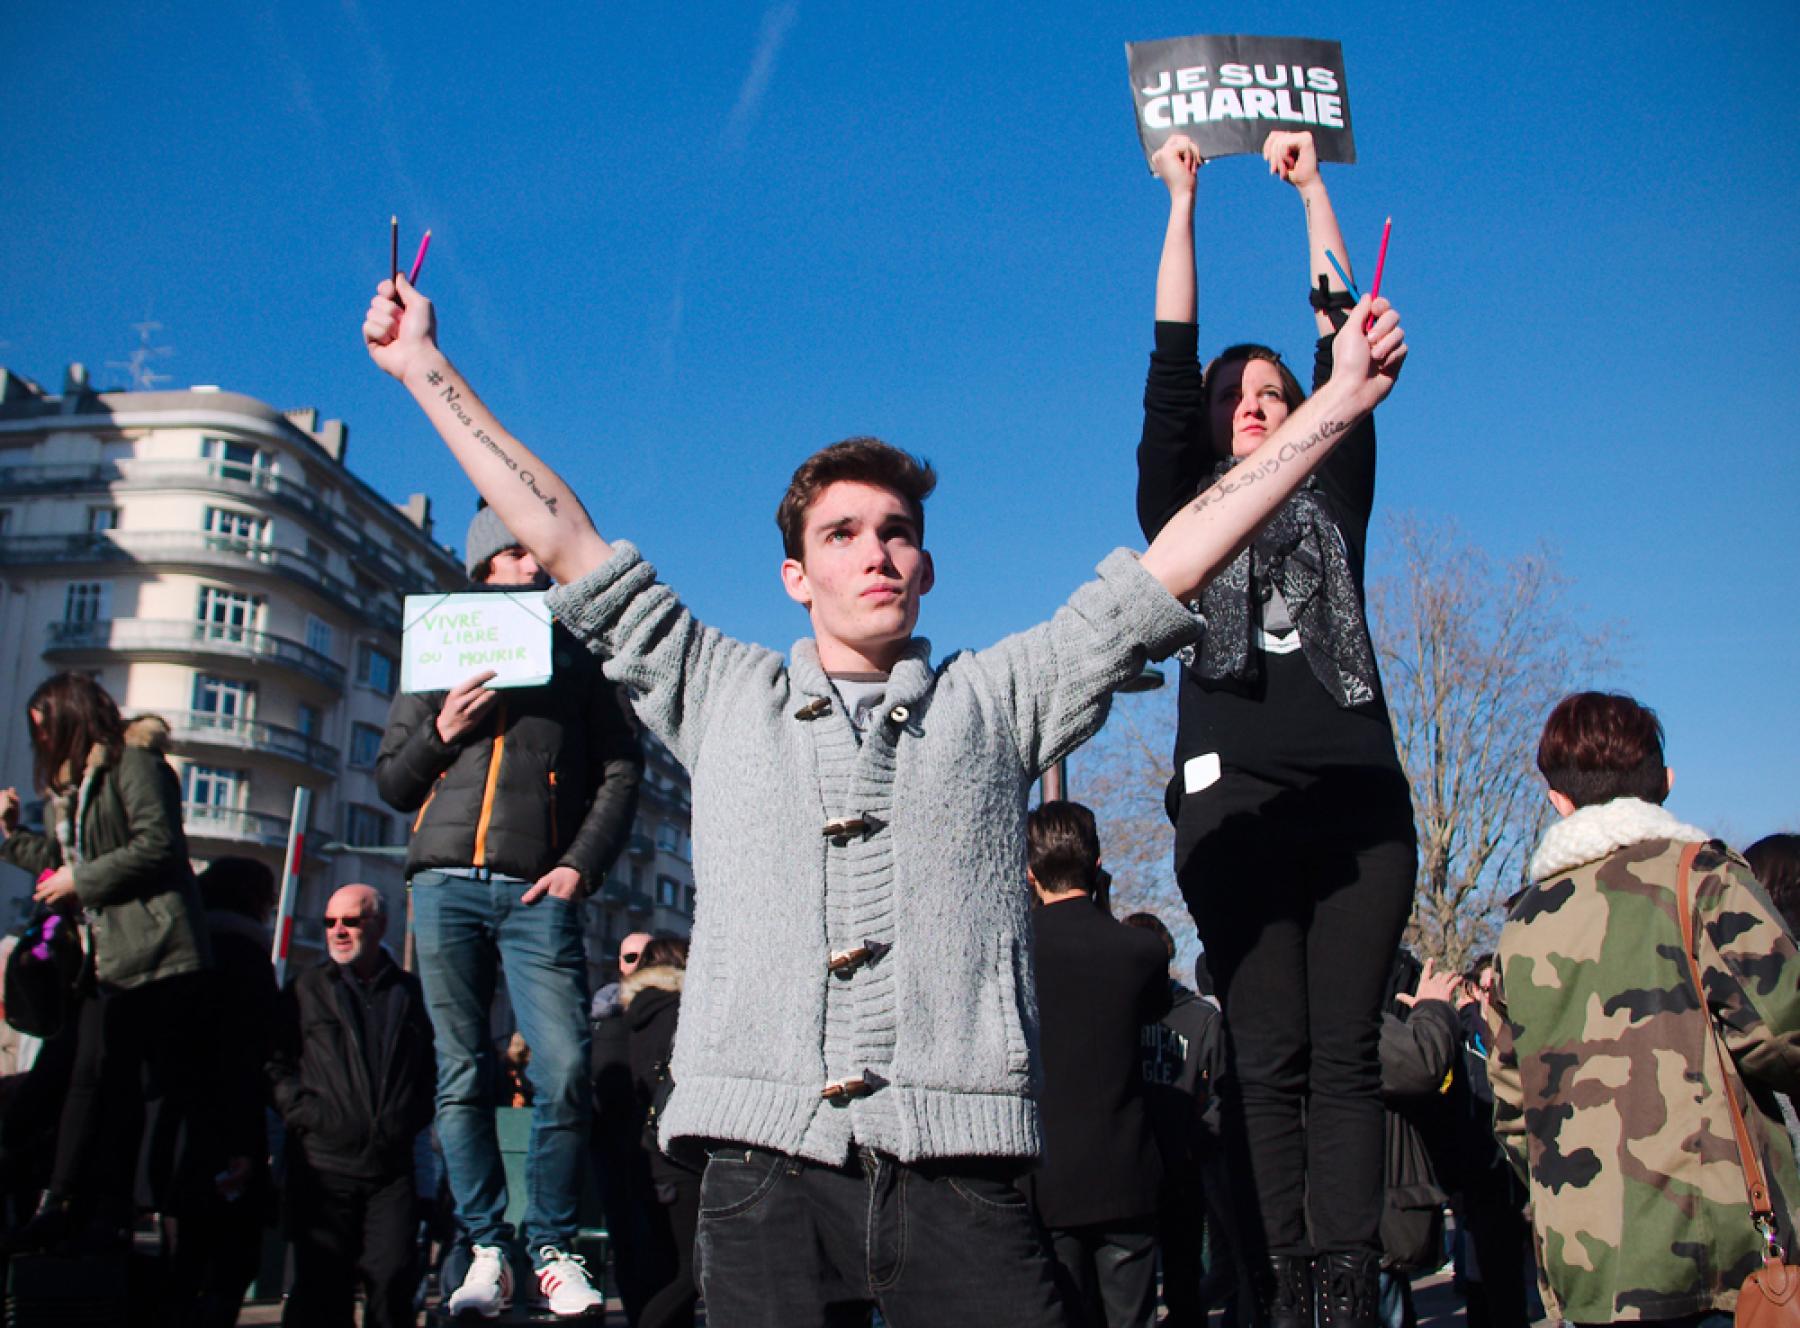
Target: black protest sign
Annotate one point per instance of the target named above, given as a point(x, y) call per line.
point(1228, 94)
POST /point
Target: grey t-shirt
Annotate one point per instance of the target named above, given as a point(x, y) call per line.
point(861, 694)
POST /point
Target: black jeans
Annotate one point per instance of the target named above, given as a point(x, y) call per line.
point(346, 1228)
point(135, 1048)
point(1109, 1272)
point(1300, 898)
point(678, 1208)
point(793, 1244)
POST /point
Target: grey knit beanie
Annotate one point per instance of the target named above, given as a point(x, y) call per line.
point(488, 535)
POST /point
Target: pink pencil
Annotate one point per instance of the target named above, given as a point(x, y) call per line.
point(412, 278)
point(1387, 229)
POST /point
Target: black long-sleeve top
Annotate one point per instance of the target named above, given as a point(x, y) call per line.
point(1281, 726)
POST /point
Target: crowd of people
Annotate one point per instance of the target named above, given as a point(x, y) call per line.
point(909, 1064)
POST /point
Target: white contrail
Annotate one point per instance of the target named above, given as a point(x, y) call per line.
point(775, 24)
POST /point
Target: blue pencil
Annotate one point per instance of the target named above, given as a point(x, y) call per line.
point(1343, 276)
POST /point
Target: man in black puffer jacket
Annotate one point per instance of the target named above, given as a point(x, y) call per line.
point(352, 1074)
point(523, 799)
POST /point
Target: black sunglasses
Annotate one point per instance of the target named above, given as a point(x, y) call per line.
point(630, 956)
point(354, 923)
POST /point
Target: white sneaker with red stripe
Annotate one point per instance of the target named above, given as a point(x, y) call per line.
point(486, 1289)
point(563, 1286)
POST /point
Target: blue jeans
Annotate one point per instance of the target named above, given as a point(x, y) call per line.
point(466, 931)
point(786, 1243)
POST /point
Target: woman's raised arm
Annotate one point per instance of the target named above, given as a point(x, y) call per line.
point(1177, 162)
point(1291, 156)
point(528, 497)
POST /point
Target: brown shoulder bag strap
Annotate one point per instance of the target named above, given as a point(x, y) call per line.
point(1758, 1189)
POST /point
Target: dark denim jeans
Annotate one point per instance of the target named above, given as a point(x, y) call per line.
point(786, 1243)
point(466, 931)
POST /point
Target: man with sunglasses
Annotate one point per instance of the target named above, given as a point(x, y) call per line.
point(354, 1078)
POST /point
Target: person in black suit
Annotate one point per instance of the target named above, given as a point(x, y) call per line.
point(1098, 983)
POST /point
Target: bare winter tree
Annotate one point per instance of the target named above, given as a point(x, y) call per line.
point(1473, 655)
point(1122, 774)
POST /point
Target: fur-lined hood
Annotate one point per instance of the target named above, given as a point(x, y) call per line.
point(150, 732)
point(1590, 833)
point(655, 977)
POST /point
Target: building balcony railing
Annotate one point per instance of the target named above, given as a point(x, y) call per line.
point(252, 735)
point(225, 552)
point(251, 483)
point(202, 820)
point(154, 636)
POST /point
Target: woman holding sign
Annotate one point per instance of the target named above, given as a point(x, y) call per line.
point(1294, 839)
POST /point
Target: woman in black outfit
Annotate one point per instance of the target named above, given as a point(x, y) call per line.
point(112, 854)
point(1294, 840)
point(652, 999)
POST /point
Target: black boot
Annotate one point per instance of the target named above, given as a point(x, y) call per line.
point(1349, 1289)
point(1288, 1295)
point(52, 1224)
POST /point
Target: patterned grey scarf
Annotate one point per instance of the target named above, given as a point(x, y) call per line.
point(1300, 554)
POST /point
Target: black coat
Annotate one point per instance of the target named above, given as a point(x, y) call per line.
point(1418, 1053)
point(1098, 983)
point(320, 1081)
point(1184, 1062)
point(242, 996)
point(652, 1013)
point(549, 778)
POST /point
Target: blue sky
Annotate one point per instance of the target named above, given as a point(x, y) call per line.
point(677, 254)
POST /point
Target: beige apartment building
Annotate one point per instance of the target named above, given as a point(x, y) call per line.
point(213, 560)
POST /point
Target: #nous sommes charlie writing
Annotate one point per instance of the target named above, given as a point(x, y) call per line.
point(1307, 94)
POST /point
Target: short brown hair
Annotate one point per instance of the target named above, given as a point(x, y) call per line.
point(1598, 746)
point(1776, 861)
point(665, 952)
point(1063, 847)
point(862, 461)
point(1154, 925)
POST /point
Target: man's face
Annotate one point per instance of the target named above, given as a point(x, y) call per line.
point(515, 567)
point(862, 575)
point(353, 929)
point(631, 952)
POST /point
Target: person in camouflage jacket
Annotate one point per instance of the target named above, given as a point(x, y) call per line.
point(1607, 1092)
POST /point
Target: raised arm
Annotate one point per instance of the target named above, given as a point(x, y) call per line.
point(1209, 531)
point(529, 498)
point(1172, 454)
point(1176, 163)
point(1292, 157)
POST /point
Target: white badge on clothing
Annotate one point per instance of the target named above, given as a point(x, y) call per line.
point(1199, 772)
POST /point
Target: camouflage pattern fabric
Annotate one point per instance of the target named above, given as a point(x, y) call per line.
point(1607, 1088)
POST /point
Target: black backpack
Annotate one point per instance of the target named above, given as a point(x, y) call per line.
point(41, 974)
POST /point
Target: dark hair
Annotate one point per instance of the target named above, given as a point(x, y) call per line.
point(862, 461)
point(1243, 353)
point(78, 715)
point(1151, 923)
point(238, 885)
point(1063, 847)
point(665, 952)
point(1776, 861)
point(1203, 978)
point(1477, 966)
point(1598, 746)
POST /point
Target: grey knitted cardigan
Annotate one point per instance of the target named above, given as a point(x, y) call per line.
point(944, 1024)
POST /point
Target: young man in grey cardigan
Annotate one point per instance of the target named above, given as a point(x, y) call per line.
point(857, 1030)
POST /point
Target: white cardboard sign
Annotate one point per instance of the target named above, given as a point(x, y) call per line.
point(450, 638)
